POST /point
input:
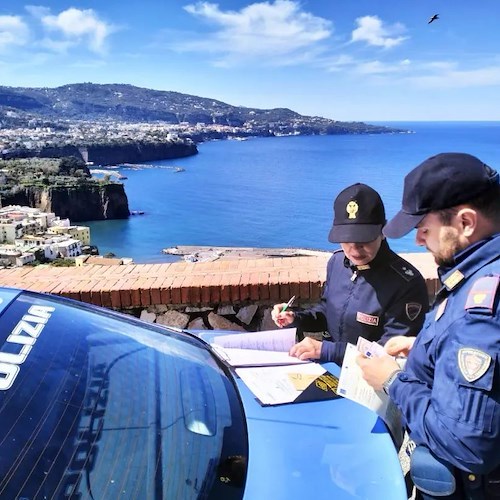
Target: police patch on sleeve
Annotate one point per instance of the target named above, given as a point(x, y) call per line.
point(482, 294)
point(413, 310)
point(473, 363)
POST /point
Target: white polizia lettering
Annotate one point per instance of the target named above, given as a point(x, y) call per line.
point(21, 340)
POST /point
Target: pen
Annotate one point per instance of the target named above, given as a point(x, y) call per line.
point(288, 304)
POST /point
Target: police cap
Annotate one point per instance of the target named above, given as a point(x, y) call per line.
point(358, 215)
point(442, 181)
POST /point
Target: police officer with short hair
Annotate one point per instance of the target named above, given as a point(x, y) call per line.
point(449, 390)
point(369, 291)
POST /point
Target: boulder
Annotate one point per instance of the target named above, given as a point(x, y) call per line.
point(246, 313)
point(220, 323)
point(149, 317)
point(173, 318)
point(197, 324)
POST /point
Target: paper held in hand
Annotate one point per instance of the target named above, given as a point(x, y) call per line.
point(265, 348)
point(353, 386)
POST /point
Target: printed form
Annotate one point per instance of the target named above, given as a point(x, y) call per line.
point(265, 348)
point(353, 386)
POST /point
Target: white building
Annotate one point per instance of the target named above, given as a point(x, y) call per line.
point(81, 233)
point(30, 229)
point(10, 230)
point(69, 247)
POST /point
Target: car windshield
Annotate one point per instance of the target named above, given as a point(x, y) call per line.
point(95, 406)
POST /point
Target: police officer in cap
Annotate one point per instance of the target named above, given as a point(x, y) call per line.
point(449, 391)
point(369, 291)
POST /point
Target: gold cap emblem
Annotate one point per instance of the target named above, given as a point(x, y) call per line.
point(352, 209)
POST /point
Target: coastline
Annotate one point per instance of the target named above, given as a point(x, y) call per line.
point(192, 253)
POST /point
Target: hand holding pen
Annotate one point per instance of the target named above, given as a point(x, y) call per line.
point(281, 316)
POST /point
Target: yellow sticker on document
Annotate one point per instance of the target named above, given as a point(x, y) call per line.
point(301, 381)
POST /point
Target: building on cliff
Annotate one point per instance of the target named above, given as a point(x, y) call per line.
point(28, 234)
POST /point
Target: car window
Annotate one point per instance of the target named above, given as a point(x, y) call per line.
point(96, 405)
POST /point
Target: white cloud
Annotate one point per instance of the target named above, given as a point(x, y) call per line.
point(373, 31)
point(448, 77)
point(13, 31)
point(77, 25)
point(381, 68)
point(37, 11)
point(338, 63)
point(268, 30)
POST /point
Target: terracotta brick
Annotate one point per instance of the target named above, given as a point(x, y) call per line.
point(145, 290)
point(155, 291)
point(316, 285)
point(95, 294)
point(145, 294)
point(233, 282)
point(205, 289)
point(304, 290)
point(74, 295)
point(225, 293)
point(193, 292)
point(125, 295)
point(176, 289)
point(264, 286)
point(215, 291)
point(115, 299)
point(165, 289)
point(122, 286)
point(135, 291)
point(185, 296)
point(244, 287)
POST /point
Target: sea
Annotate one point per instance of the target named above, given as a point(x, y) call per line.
point(275, 192)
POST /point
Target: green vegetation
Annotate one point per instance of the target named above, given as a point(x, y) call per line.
point(62, 262)
point(43, 173)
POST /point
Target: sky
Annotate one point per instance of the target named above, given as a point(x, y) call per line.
point(349, 60)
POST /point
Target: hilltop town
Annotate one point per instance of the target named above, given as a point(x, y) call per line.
point(86, 114)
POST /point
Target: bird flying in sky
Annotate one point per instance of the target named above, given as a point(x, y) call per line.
point(433, 18)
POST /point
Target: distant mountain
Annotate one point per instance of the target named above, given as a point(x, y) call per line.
point(95, 102)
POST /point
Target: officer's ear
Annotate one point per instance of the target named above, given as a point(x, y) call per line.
point(467, 220)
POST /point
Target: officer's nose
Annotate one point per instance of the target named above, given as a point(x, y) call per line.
point(419, 238)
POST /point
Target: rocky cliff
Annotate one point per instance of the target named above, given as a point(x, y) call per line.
point(138, 152)
point(78, 203)
point(111, 154)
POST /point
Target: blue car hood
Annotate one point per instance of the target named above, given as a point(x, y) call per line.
point(318, 448)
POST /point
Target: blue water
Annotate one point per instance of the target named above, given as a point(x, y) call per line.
point(276, 192)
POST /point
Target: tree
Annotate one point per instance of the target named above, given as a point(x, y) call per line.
point(70, 164)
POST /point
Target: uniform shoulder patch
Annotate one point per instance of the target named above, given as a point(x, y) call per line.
point(473, 363)
point(481, 297)
point(413, 309)
point(404, 269)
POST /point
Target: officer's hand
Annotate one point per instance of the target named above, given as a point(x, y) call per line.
point(376, 370)
point(282, 318)
point(399, 345)
point(306, 349)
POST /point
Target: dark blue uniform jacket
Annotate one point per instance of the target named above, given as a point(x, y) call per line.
point(449, 392)
point(385, 298)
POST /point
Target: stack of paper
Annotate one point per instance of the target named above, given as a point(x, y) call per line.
point(266, 348)
point(261, 360)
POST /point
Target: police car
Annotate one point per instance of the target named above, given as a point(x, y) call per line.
point(99, 405)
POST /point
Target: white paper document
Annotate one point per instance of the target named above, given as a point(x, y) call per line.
point(265, 348)
point(269, 340)
point(353, 386)
point(254, 357)
point(288, 384)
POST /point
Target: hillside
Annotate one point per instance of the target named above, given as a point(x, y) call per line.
point(95, 102)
